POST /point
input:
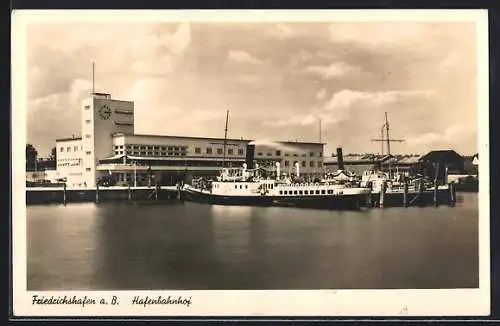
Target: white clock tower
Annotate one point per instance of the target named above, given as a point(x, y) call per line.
point(102, 116)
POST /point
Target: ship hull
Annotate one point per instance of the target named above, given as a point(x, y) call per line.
point(345, 202)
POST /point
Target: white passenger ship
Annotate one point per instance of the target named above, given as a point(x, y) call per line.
point(242, 186)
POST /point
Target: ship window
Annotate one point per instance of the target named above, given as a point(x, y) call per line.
point(230, 151)
point(317, 192)
point(281, 192)
point(62, 149)
point(235, 187)
point(295, 192)
point(322, 192)
point(278, 153)
point(284, 192)
point(241, 186)
point(306, 192)
point(300, 192)
point(311, 164)
point(219, 150)
point(311, 154)
point(259, 154)
point(246, 186)
point(197, 150)
point(330, 191)
point(240, 151)
point(209, 151)
point(271, 186)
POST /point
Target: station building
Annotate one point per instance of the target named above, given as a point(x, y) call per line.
point(110, 152)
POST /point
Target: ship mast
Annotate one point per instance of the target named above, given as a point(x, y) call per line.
point(387, 140)
point(225, 140)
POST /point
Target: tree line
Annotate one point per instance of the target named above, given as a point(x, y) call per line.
point(35, 163)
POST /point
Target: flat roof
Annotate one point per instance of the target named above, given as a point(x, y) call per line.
point(68, 139)
point(211, 138)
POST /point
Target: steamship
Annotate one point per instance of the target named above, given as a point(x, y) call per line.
point(249, 185)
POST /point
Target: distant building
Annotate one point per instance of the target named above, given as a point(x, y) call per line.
point(358, 163)
point(439, 164)
point(109, 151)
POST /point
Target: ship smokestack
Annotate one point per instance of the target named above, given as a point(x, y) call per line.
point(250, 156)
point(340, 158)
point(278, 172)
point(297, 169)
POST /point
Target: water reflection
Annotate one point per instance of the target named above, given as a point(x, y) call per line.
point(196, 246)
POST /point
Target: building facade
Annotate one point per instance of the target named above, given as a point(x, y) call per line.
point(109, 151)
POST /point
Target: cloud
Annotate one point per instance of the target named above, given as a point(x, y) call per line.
point(441, 139)
point(294, 120)
point(321, 95)
point(347, 98)
point(181, 39)
point(451, 61)
point(248, 79)
point(242, 56)
point(282, 31)
point(337, 69)
point(377, 34)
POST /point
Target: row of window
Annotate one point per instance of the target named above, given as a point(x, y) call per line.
point(220, 151)
point(304, 164)
point(169, 151)
point(198, 150)
point(150, 154)
point(278, 153)
point(306, 192)
point(151, 148)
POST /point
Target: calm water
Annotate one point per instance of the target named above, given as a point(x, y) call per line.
point(194, 246)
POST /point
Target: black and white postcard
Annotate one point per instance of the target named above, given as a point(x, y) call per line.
point(250, 163)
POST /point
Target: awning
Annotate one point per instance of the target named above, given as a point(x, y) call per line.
point(113, 157)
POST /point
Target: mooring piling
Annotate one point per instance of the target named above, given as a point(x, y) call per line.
point(452, 191)
point(435, 198)
point(369, 202)
point(97, 193)
point(382, 194)
point(405, 193)
point(64, 194)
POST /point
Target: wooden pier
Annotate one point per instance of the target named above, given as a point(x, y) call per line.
point(440, 195)
point(63, 195)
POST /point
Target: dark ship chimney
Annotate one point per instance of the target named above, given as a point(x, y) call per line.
point(250, 156)
point(340, 158)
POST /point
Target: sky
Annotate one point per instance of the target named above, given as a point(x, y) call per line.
point(278, 80)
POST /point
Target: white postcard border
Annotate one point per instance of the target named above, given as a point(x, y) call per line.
point(454, 302)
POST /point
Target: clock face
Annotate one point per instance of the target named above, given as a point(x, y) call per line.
point(105, 112)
